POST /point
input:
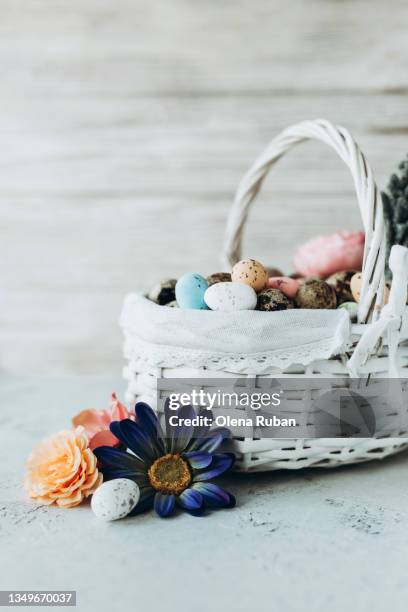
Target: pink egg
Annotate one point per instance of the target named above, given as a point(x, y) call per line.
point(288, 286)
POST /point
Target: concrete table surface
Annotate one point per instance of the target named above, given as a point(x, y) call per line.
point(310, 540)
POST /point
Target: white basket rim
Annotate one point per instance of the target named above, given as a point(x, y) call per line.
point(172, 336)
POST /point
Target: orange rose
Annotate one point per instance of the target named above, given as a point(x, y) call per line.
point(62, 469)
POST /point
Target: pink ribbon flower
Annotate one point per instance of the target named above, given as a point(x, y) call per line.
point(326, 255)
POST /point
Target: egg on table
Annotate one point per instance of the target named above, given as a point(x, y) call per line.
point(190, 289)
point(114, 499)
point(250, 272)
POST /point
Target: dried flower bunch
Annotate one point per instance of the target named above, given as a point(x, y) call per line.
point(395, 205)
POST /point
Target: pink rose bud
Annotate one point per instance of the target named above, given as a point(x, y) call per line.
point(326, 255)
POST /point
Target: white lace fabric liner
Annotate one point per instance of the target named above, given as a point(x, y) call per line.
point(243, 341)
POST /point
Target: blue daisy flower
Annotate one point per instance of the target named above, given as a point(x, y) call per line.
point(173, 468)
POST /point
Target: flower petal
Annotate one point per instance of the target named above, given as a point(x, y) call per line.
point(220, 464)
point(114, 457)
point(201, 431)
point(197, 460)
point(164, 504)
point(112, 473)
point(117, 411)
point(91, 420)
point(214, 496)
point(178, 436)
point(149, 423)
point(103, 438)
point(145, 501)
point(198, 512)
point(190, 499)
point(213, 440)
point(135, 439)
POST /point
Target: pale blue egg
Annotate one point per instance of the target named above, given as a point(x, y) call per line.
point(190, 290)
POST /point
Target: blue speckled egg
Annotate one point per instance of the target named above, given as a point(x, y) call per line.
point(190, 290)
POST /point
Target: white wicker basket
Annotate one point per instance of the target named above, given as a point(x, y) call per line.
point(377, 344)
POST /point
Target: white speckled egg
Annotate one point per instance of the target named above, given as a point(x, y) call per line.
point(229, 297)
point(250, 272)
point(114, 499)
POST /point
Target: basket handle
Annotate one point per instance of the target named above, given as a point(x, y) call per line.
point(369, 200)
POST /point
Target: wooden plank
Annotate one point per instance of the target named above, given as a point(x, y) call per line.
point(126, 127)
point(175, 46)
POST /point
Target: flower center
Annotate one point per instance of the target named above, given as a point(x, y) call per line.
point(169, 474)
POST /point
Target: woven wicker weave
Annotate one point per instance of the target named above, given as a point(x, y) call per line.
point(377, 346)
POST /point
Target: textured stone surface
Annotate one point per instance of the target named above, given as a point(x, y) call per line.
point(317, 540)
